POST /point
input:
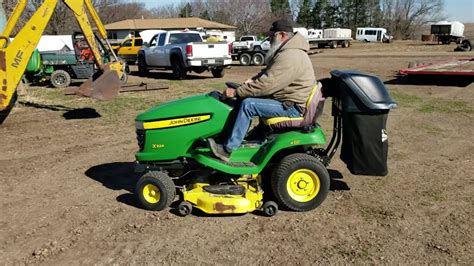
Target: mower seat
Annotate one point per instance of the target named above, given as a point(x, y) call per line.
point(314, 108)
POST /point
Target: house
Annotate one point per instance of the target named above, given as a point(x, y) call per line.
point(120, 30)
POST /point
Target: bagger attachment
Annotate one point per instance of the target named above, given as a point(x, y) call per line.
point(104, 85)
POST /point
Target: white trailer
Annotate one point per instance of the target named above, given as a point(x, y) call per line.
point(373, 35)
point(447, 32)
point(332, 37)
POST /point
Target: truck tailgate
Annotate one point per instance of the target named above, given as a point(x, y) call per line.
point(206, 50)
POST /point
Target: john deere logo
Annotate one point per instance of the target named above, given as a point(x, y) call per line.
point(176, 122)
point(295, 142)
point(184, 121)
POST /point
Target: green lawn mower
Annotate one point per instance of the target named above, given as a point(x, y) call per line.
point(282, 162)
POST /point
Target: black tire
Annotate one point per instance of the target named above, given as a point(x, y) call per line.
point(345, 44)
point(142, 67)
point(152, 183)
point(218, 72)
point(4, 113)
point(333, 45)
point(60, 79)
point(127, 69)
point(179, 70)
point(258, 59)
point(124, 78)
point(300, 182)
point(467, 45)
point(245, 59)
point(257, 48)
point(185, 208)
point(270, 208)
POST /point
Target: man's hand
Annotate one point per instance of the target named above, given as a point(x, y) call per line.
point(248, 81)
point(229, 93)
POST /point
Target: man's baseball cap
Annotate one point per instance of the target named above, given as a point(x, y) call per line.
point(280, 25)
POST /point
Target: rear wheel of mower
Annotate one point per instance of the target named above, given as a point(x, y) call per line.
point(156, 190)
point(300, 182)
point(60, 79)
point(185, 208)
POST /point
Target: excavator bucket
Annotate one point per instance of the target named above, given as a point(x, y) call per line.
point(102, 86)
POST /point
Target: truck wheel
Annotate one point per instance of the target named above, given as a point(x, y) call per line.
point(124, 78)
point(60, 79)
point(300, 182)
point(179, 71)
point(218, 72)
point(258, 59)
point(245, 59)
point(142, 67)
point(155, 190)
point(4, 113)
point(257, 48)
point(333, 45)
point(345, 44)
point(467, 45)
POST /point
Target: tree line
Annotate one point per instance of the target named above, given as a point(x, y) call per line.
point(401, 17)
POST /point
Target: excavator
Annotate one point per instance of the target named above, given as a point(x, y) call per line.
point(15, 54)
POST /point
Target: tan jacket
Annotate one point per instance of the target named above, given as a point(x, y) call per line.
point(289, 76)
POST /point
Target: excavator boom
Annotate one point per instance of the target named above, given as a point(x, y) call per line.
point(14, 55)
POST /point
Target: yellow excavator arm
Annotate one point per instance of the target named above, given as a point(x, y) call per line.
point(14, 55)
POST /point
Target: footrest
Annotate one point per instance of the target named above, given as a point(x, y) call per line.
point(225, 189)
point(238, 164)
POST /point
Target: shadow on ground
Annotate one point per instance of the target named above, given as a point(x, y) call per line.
point(69, 113)
point(431, 80)
point(336, 183)
point(121, 176)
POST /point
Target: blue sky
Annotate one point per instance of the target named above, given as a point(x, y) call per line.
point(461, 10)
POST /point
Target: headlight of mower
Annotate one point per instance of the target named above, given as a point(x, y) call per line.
point(140, 134)
point(139, 125)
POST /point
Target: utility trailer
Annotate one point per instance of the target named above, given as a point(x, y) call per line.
point(455, 67)
point(446, 32)
point(330, 37)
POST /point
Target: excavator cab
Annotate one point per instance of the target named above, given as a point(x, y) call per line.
point(15, 55)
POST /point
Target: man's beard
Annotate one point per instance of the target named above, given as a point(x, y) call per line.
point(274, 46)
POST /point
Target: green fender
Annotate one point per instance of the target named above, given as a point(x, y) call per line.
point(252, 160)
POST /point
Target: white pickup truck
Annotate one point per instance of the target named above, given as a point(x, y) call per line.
point(182, 52)
point(244, 44)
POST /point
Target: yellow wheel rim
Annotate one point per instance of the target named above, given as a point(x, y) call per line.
point(303, 185)
point(151, 193)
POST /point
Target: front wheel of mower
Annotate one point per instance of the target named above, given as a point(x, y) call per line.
point(300, 182)
point(155, 190)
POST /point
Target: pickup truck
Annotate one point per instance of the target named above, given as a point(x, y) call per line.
point(244, 44)
point(182, 52)
point(128, 49)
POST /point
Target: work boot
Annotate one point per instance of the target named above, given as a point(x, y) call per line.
point(219, 150)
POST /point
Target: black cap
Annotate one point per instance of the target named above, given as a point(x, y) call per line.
point(280, 25)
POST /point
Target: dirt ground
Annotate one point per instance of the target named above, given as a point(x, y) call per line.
point(67, 184)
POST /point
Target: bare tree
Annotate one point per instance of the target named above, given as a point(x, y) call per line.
point(404, 17)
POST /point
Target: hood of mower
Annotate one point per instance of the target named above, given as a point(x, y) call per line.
point(167, 131)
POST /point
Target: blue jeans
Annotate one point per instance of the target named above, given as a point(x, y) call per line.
point(250, 107)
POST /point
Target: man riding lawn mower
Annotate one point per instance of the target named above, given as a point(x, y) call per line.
point(282, 160)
